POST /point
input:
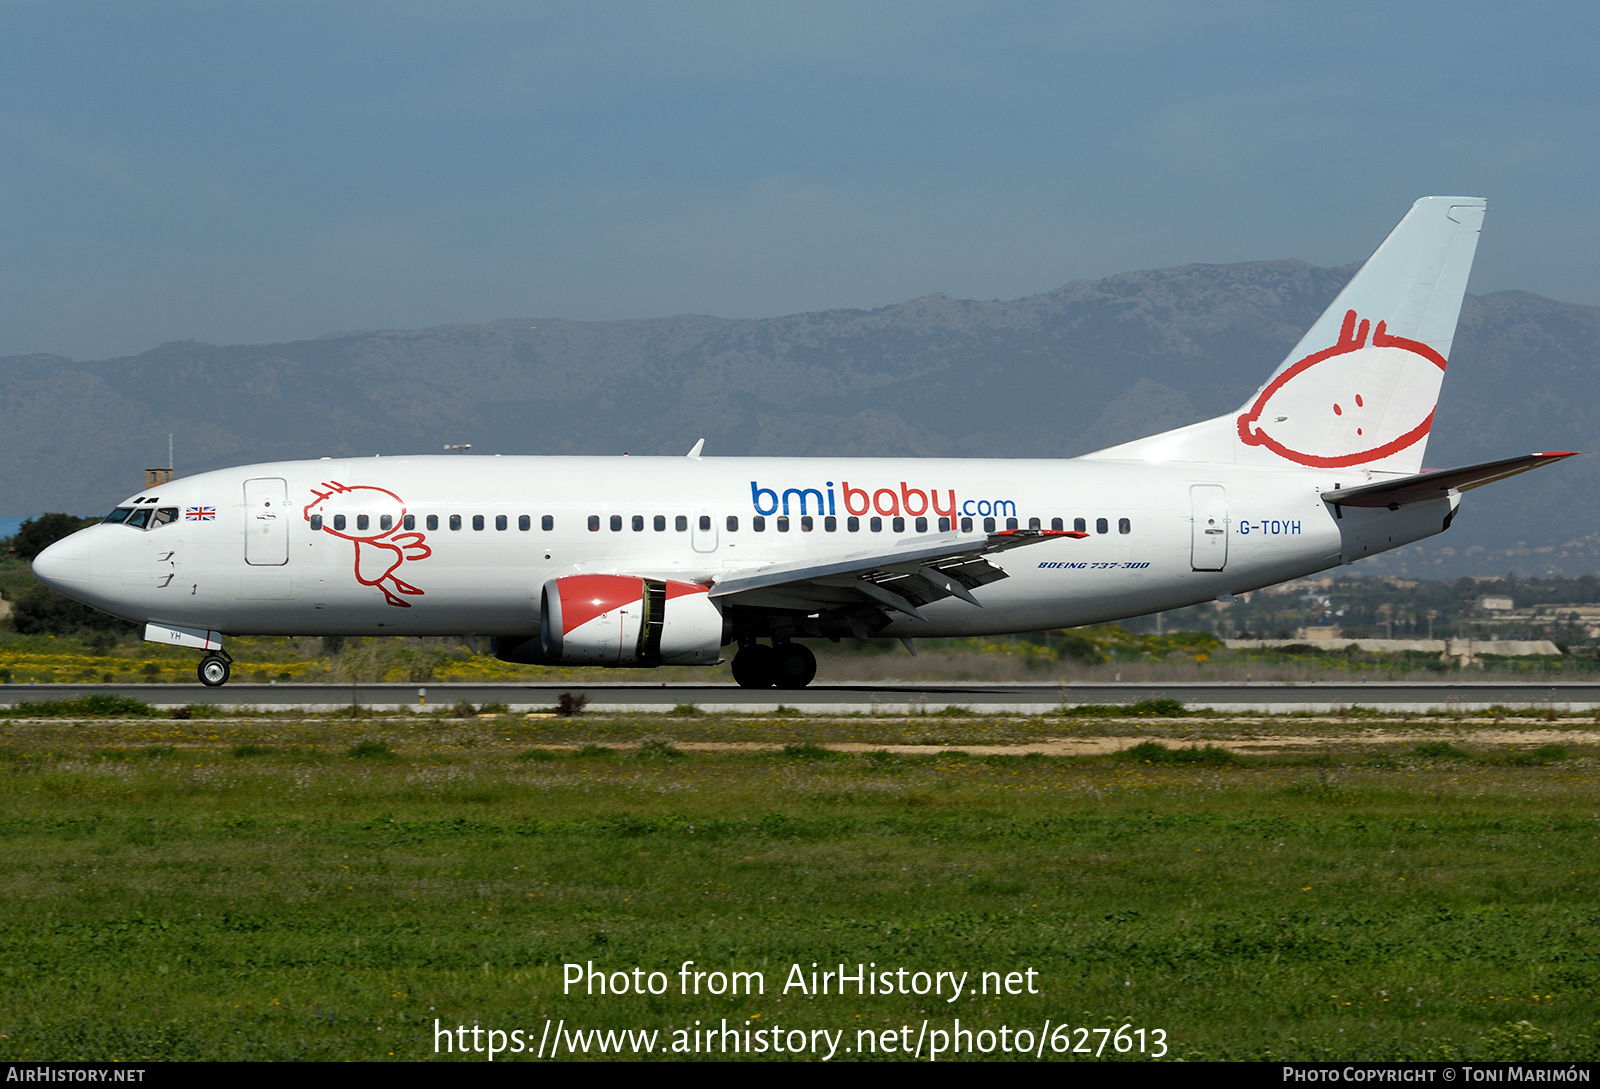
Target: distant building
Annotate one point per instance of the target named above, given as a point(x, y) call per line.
point(1490, 604)
point(1327, 633)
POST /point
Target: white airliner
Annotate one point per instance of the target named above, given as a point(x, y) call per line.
point(643, 561)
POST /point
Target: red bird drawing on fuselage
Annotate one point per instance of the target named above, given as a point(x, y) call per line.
point(372, 519)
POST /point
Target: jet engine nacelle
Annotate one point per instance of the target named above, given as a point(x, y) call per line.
point(629, 621)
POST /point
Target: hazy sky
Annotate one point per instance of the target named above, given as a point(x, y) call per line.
point(234, 173)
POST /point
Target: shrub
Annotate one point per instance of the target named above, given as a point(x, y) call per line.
point(568, 705)
point(808, 751)
point(97, 706)
point(1153, 752)
point(1162, 708)
point(658, 748)
point(42, 611)
point(365, 750)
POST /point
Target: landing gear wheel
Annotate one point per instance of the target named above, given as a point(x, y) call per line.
point(214, 671)
point(755, 666)
point(795, 666)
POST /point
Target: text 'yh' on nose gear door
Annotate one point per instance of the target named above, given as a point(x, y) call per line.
point(266, 518)
point(1208, 548)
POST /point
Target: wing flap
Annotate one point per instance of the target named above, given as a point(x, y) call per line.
point(915, 572)
point(1421, 487)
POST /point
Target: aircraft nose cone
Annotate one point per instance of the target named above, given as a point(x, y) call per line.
point(64, 565)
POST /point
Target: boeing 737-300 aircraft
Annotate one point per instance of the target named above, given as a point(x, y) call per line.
point(644, 561)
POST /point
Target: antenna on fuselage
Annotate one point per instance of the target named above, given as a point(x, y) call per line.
point(457, 447)
point(694, 451)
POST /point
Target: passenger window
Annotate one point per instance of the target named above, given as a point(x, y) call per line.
point(988, 525)
point(783, 523)
point(966, 525)
point(616, 523)
point(1057, 525)
point(385, 522)
point(524, 523)
point(922, 525)
point(875, 524)
point(594, 523)
point(759, 524)
point(433, 521)
point(853, 524)
point(1011, 523)
point(830, 524)
point(455, 521)
point(548, 523)
point(338, 521)
point(638, 523)
point(705, 522)
point(899, 525)
point(805, 523)
point(477, 521)
point(1079, 525)
point(118, 515)
point(409, 521)
point(362, 522)
point(1101, 525)
point(660, 523)
point(1124, 526)
point(1033, 523)
point(733, 523)
point(316, 523)
point(944, 525)
point(500, 522)
point(681, 523)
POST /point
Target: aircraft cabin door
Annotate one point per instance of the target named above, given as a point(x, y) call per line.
point(703, 526)
point(1208, 547)
point(266, 513)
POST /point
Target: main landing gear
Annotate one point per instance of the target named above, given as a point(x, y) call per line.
point(786, 665)
point(215, 669)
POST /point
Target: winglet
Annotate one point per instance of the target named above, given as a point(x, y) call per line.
point(694, 451)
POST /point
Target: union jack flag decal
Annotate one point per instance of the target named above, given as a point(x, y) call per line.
point(199, 514)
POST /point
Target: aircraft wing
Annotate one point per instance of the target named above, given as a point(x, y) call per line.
point(1435, 485)
point(912, 573)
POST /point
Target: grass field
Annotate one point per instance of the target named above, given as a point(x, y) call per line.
point(324, 888)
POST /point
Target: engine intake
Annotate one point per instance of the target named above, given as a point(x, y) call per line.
point(628, 621)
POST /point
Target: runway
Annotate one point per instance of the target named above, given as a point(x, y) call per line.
point(887, 699)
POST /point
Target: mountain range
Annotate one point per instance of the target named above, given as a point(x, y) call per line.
point(1092, 363)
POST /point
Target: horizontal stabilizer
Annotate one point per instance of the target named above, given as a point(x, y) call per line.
point(1437, 484)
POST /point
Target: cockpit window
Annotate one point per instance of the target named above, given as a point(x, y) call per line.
point(140, 518)
point(164, 516)
point(118, 515)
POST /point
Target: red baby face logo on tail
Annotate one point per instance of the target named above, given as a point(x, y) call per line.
point(1350, 404)
point(372, 519)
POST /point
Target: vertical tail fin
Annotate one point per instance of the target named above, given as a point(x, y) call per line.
point(1360, 387)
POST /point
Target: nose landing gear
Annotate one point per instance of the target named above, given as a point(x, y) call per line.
point(215, 669)
point(787, 665)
